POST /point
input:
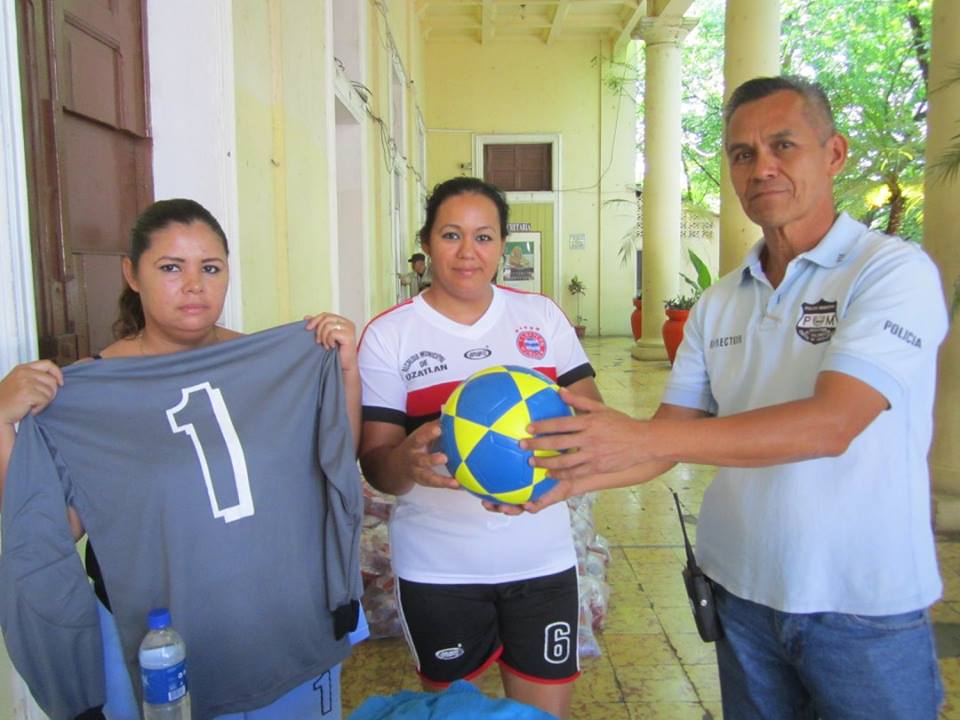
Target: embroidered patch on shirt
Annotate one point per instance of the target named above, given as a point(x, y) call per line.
point(818, 322)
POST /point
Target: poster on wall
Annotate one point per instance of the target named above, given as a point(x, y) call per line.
point(520, 265)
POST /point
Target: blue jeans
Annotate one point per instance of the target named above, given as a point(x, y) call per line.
point(787, 666)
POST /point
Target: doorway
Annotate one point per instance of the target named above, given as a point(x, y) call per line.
point(88, 161)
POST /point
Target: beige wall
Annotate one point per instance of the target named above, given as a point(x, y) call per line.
point(527, 87)
point(283, 90)
point(393, 38)
point(282, 84)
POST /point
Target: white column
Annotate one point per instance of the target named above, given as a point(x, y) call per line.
point(941, 237)
point(751, 49)
point(663, 176)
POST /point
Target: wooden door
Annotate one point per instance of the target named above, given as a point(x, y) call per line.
point(86, 121)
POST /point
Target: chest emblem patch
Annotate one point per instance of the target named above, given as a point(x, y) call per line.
point(818, 322)
point(531, 344)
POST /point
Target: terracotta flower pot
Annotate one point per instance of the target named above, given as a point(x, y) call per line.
point(673, 331)
point(636, 318)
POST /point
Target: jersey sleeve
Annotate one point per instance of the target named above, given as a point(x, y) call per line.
point(894, 320)
point(571, 361)
point(384, 391)
point(344, 510)
point(689, 382)
point(47, 607)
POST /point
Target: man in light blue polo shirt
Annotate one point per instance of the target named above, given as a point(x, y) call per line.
point(808, 376)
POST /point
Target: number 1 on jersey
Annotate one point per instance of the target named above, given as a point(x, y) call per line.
point(212, 400)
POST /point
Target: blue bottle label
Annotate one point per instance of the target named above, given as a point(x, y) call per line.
point(165, 685)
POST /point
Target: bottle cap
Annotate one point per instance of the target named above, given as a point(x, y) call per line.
point(158, 618)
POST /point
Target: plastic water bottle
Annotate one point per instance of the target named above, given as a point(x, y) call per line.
point(163, 670)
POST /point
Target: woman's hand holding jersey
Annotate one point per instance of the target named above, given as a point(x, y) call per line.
point(28, 388)
point(336, 331)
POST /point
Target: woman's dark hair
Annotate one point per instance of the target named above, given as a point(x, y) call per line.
point(158, 216)
point(459, 186)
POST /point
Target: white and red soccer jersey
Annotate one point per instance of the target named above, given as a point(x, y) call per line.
point(411, 359)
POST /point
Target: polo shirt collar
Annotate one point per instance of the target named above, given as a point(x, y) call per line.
point(832, 250)
point(836, 245)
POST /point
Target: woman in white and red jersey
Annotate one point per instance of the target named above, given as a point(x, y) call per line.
point(474, 587)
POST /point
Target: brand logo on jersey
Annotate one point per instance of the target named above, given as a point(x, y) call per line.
point(449, 653)
point(478, 354)
point(531, 344)
point(423, 363)
point(818, 322)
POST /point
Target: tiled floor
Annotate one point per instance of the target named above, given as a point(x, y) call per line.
point(653, 665)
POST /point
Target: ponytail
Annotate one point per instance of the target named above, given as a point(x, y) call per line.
point(130, 322)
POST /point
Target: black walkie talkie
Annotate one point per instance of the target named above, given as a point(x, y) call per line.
point(699, 590)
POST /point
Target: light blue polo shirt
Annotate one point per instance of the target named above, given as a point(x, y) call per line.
point(846, 534)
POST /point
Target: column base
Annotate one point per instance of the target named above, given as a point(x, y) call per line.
point(946, 501)
point(648, 350)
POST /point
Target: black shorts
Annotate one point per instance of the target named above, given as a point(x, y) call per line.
point(529, 626)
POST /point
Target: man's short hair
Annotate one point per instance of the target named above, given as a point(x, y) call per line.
point(812, 92)
point(417, 256)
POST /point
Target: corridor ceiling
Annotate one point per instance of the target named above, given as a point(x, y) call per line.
point(546, 21)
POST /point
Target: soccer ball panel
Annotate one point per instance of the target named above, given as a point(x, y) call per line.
point(547, 404)
point(486, 398)
point(500, 464)
point(481, 424)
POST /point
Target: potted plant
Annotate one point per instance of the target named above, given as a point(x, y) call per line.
point(678, 308)
point(577, 289)
point(636, 317)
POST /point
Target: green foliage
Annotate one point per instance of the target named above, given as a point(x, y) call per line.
point(947, 167)
point(872, 63)
point(702, 102)
point(681, 302)
point(873, 66)
point(576, 288)
point(704, 279)
point(697, 285)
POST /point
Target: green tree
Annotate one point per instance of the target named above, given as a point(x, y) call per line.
point(873, 65)
point(874, 68)
point(701, 124)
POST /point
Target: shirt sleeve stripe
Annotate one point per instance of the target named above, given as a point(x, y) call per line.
point(578, 373)
point(382, 414)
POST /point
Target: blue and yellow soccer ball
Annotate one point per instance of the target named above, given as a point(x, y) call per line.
point(482, 423)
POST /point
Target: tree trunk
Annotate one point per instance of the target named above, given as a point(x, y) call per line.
point(897, 206)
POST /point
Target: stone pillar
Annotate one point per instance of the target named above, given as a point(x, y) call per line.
point(663, 176)
point(941, 238)
point(751, 49)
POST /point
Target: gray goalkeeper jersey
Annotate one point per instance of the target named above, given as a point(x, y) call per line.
point(219, 482)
